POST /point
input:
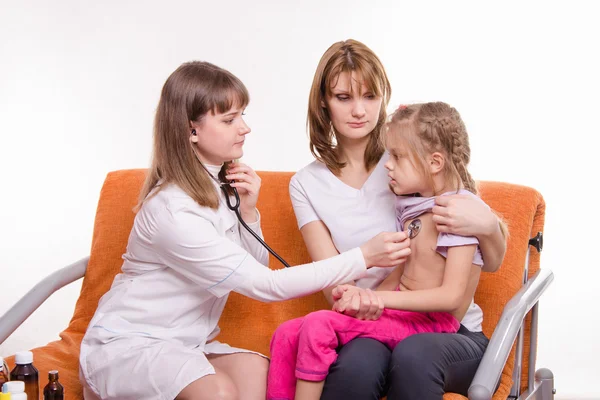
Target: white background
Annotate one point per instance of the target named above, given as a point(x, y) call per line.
point(80, 80)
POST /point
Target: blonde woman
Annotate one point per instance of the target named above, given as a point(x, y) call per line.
point(342, 199)
point(149, 337)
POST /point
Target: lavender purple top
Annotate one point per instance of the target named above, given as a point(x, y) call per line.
point(408, 208)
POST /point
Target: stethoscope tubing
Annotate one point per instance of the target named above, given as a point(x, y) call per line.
point(236, 209)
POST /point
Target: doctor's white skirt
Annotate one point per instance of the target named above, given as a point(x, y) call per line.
point(135, 368)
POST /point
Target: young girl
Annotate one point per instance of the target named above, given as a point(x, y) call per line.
point(430, 292)
point(152, 334)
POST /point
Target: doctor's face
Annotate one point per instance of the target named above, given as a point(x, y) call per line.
point(220, 137)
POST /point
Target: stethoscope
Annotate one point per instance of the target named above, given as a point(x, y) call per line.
point(413, 228)
point(236, 209)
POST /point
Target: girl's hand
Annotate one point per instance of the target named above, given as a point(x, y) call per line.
point(464, 215)
point(362, 304)
point(247, 183)
point(388, 249)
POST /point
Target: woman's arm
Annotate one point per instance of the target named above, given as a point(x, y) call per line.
point(320, 247)
point(186, 241)
point(493, 248)
point(467, 215)
point(448, 297)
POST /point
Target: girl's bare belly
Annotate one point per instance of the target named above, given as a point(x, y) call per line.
point(425, 267)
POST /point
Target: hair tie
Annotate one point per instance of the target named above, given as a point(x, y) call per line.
point(402, 107)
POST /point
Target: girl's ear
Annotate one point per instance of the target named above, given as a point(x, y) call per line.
point(436, 163)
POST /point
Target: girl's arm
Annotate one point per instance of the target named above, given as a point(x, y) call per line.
point(391, 282)
point(448, 297)
point(468, 215)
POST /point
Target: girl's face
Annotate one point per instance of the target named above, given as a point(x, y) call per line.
point(220, 137)
point(353, 109)
point(404, 177)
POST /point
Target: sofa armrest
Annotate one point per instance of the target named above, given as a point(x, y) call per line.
point(27, 304)
point(493, 361)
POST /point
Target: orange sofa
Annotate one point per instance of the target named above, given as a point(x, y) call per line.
point(249, 324)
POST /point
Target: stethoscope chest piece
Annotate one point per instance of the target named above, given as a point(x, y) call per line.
point(414, 228)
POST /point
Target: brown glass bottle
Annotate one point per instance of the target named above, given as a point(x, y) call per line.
point(26, 372)
point(53, 390)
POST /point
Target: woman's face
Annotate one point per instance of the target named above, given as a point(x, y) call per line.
point(354, 110)
point(220, 137)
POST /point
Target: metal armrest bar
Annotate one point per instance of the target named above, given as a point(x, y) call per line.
point(27, 304)
point(515, 391)
point(532, 347)
point(490, 369)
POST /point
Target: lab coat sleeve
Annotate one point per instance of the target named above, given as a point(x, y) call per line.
point(272, 285)
point(189, 243)
point(250, 243)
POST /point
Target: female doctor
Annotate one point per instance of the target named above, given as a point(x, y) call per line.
point(187, 251)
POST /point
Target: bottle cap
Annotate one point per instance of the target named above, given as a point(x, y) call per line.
point(5, 396)
point(53, 375)
point(14, 387)
point(23, 357)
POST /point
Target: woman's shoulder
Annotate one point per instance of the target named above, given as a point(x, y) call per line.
point(173, 200)
point(313, 174)
point(310, 171)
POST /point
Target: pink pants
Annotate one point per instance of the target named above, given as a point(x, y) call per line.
point(304, 348)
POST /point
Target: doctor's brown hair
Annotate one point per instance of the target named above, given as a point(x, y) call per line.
point(347, 56)
point(191, 91)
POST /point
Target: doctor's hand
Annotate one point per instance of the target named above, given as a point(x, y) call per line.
point(388, 249)
point(247, 183)
point(356, 302)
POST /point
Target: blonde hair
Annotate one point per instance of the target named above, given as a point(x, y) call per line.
point(435, 127)
point(430, 127)
point(346, 56)
point(191, 91)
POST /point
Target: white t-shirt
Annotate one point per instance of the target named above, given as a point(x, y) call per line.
point(353, 216)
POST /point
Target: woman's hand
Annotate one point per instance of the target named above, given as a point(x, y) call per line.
point(388, 249)
point(356, 302)
point(247, 183)
point(464, 215)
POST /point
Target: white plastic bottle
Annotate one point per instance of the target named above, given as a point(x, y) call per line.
point(16, 390)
